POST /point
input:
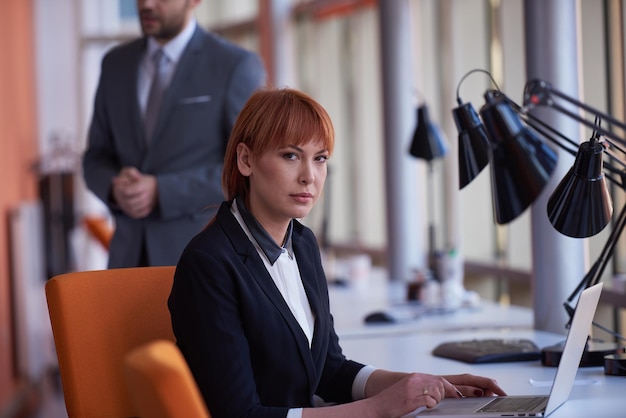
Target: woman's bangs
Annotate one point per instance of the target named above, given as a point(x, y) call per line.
point(309, 126)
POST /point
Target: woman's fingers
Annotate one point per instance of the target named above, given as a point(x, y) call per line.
point(433, 392)
point(471, 385)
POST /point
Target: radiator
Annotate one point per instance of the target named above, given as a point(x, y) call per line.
point(33, 343)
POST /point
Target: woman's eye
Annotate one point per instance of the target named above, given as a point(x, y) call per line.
point(322, 158)
point(289, 156)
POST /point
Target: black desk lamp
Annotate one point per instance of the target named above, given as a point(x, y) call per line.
point(521, 164)
point(428, 144)
point(580, 206)
point(474, 148)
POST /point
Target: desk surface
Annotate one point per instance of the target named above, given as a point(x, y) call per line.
point(408, 346)
point(594, 393)
point(351, 304)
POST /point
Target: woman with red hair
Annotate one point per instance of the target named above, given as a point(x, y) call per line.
point(249, 303)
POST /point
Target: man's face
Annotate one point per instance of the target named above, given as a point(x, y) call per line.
point(164, 19)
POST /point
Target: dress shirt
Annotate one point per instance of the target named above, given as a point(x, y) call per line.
point(284, 270)
point(172, 50)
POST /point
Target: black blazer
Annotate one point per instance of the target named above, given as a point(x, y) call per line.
point(246, 350)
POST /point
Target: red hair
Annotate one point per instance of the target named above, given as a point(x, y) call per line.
point(272, 119)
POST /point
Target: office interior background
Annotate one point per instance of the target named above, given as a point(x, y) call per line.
point(349, 55)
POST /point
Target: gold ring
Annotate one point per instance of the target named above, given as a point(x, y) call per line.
point(425, 390)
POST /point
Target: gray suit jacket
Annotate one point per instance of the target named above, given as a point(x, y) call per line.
point(213, 80)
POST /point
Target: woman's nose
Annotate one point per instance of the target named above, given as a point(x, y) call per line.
point(307, 173)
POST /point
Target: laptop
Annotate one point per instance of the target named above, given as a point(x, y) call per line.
point(535, 406)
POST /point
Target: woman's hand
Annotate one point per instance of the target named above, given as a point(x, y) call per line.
point(470, 385)
point(413, 391)
point(395, 394)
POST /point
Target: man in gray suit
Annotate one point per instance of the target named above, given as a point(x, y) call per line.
point(163, 187)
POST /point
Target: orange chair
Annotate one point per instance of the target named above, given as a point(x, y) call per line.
point(161, 383)
point(97, 318)
point(99, 228)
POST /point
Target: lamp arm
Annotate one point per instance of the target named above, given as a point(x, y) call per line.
point(550, 133)
point(617, 172)
point(539, 93)
point(547, 132)
point(594, 274)
point(541, 127)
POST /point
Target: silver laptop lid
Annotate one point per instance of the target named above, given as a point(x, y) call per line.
point(564, 378)
point(574, 346)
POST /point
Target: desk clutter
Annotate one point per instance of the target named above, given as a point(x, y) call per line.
point(491, 350)
point(405, 313)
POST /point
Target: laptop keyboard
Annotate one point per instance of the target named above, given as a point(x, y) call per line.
point(489, 350)
point(516, 404)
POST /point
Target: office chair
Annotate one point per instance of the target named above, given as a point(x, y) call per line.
point(99, 228)
point(161, 384)
point(97, 318)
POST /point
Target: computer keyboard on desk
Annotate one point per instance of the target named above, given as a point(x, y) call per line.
point(492, 350)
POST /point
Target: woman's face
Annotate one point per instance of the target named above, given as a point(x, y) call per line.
point(284, 183)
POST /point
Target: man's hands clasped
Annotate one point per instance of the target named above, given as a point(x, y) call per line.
point(134, 192)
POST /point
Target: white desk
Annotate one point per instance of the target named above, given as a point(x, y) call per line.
point(593, 395)
point(351, 304)
point(407, 346)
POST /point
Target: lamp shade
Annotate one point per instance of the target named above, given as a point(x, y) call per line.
point(473, 143)
point(428, 143)
point(521, 164)
point(581, 206)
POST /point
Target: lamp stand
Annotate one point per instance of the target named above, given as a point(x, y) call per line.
point(432, 247)
point(328, 254)
point(414, 288)
point(595, 351)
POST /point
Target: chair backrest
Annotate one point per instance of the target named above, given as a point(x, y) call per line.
point(97, 318)
point(161, 384)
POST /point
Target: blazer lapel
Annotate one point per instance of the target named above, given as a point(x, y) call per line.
point(137, 123)
point(253, 262)
point(305, 255)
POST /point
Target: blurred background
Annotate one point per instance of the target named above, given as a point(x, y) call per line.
point(370, 63)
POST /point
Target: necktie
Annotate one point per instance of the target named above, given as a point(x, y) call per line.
point(157, 89)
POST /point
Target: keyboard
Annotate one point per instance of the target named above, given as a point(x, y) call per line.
point(493, 350)
point(516, 404)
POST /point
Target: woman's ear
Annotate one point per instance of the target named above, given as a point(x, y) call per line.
point(243, 159)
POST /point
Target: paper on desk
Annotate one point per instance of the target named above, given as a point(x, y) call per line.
point(541, 383)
